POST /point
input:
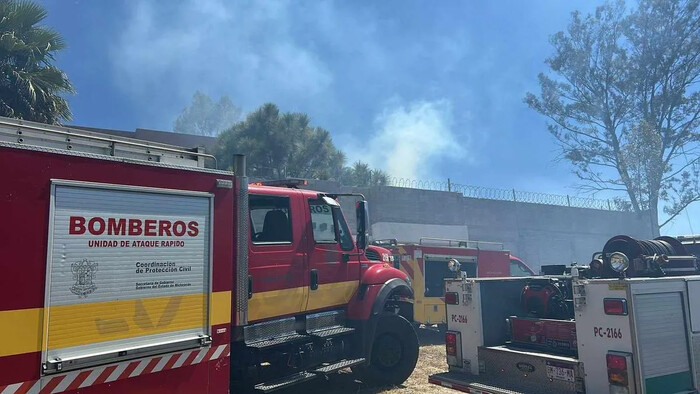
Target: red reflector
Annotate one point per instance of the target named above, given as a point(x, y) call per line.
point(615, 306)
point(451, 343)
point(616, 362)
point(451, 298)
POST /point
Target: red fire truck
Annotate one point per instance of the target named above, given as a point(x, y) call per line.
point(132, 267)
point(426, 264)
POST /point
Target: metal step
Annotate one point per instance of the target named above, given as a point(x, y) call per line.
point(266, 343)
point(338, 366)
point(285, 382)
point(331, 332)
point(326, 333)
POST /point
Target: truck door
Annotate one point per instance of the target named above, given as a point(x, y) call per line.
point(333, 262)
point(276, 258)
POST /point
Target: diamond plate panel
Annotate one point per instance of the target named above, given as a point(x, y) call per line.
point(271, 329)
point(324, 320)
point(242, 251)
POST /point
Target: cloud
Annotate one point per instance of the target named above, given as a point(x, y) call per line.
point(410, 140)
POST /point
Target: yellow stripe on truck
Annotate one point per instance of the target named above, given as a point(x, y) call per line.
point(331, 294)
point(291, 301)
point(72, 325)
point(82, 324)
point(21, 329)
point(220, 302)
point(276, 303)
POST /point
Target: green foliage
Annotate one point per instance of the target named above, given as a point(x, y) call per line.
point(30, 85)
point(282, 145)
point(360, 174)
point(206, 117)
point(286, 145)
point(623, 101)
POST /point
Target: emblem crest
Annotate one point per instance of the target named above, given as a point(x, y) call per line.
point(84, 274)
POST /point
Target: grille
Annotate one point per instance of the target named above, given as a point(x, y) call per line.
point(372, 255)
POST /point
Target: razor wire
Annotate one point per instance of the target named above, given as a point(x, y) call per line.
point(489, 193)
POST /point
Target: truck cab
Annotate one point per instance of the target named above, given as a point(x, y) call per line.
point(302, 256)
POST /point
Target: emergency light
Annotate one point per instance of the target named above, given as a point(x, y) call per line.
point(289, 182)
point(619, 262)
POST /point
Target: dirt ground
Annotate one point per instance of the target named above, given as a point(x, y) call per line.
point(430, 360)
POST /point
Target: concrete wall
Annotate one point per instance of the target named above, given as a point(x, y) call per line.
point(537, 233)
point(547, 234)
point(411, 231)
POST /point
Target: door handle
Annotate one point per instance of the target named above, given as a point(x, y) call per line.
point(250, 286)
point(314, 279)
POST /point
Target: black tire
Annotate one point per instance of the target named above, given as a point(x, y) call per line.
point(394, 352)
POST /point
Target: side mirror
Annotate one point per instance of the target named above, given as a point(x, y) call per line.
point(362, 219)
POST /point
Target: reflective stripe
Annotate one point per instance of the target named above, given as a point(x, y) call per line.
point(128, 369)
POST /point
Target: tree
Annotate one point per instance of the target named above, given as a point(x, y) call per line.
point(206, 117)
point(360, 174)
point(623, 102)
point(282, 145)
point(30, 85)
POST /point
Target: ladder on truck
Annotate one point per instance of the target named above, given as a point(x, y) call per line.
point(41, 136)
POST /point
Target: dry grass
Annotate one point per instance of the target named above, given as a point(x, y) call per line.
point(430, 360)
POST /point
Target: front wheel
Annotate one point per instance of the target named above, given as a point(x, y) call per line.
point(394, 352)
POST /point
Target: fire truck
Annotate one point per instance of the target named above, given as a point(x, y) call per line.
point(629, 322)
point(135, 267)
point(427, 265)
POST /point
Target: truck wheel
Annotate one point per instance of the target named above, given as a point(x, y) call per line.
point(394, 352)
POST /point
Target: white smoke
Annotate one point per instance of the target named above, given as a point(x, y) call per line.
point(411, 139)
point(167, 51)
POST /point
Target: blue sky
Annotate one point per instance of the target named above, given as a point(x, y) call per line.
point(420, 90)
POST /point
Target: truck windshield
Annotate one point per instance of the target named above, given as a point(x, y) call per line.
point(436, 270)
point(518, 269)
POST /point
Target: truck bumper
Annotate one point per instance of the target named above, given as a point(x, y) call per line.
point(505, 370)
point(466, 383)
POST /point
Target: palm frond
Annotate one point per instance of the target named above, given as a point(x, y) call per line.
point(31, 85)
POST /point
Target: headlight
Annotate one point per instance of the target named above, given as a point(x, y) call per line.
point(453, 265)
point(619, 262)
